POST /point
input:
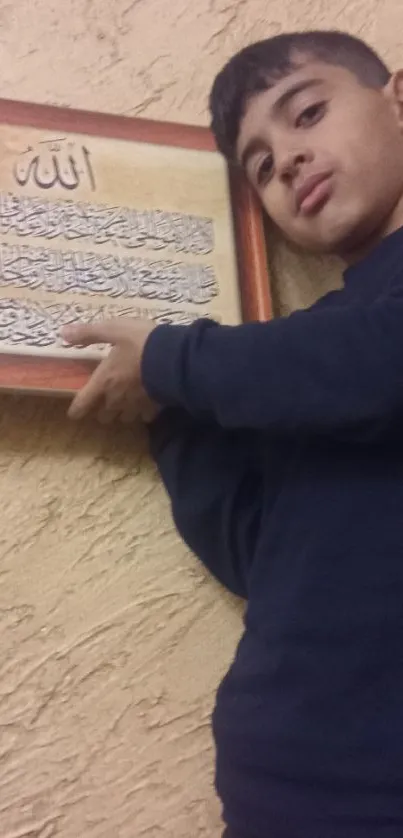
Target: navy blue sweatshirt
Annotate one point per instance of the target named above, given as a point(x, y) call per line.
point(282, 451)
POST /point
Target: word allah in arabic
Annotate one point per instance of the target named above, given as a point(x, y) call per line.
point(57, 163)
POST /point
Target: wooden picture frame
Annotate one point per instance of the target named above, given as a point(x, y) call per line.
point(62, 371)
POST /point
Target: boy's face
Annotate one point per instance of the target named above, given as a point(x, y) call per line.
point(325, 155)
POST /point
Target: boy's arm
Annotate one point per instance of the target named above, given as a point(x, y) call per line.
point(326, 370)
point(215, 486)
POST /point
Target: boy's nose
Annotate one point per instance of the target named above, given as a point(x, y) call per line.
point(289, 162)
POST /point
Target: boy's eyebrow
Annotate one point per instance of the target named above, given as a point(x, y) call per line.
point(292, 91)
point(256, 144)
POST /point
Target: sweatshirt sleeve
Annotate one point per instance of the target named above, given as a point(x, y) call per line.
point(214, 483)
point(325, 370)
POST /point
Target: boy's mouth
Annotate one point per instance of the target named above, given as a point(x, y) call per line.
point(312, 194)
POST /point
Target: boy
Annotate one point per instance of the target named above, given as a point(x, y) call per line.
point(280, 445)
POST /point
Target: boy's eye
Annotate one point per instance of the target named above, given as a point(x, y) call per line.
point(310, 116)
point(264, 170)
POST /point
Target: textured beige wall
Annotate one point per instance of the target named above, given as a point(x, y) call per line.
point(112, 639)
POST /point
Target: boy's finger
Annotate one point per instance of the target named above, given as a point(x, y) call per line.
point(89, 396)
point(85, 334)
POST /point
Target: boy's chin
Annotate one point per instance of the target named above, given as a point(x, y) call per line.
point(324, 246)
point(338, 239)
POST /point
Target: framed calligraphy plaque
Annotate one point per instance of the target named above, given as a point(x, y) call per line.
point(106, 215)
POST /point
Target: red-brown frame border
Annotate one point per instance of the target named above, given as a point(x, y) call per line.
point(68, 375)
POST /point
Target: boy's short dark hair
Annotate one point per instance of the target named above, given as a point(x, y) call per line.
point(259, 66)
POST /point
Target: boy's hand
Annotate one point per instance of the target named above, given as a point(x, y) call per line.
point(115, 388)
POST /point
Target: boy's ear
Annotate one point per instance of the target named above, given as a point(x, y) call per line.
point(394, 93)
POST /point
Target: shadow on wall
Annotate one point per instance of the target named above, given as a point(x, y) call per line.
point(32, 423)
